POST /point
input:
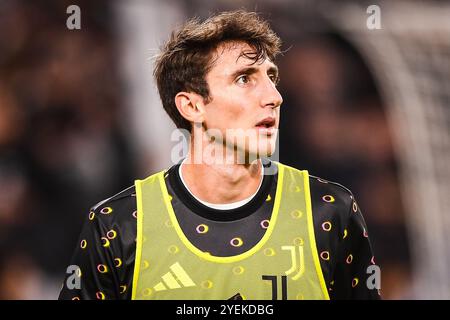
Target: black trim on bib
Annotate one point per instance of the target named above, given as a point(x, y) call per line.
point(219, 215)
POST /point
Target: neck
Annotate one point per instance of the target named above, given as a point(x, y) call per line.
point(220, 182)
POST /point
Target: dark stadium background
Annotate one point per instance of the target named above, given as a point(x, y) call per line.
point(80, 119)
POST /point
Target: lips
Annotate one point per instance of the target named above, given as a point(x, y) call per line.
point(267, 122)
point(266, 126)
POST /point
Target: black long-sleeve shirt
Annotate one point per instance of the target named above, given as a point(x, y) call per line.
point(341, 235)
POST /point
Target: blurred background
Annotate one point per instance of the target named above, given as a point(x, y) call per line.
point(80, 119)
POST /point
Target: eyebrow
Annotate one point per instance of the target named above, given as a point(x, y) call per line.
point(252, 70)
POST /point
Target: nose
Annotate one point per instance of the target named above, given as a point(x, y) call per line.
point(271, 97)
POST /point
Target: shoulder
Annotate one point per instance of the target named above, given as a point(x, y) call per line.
point(329, 196)
point(332, 201)
point(330, 191)
point(118, 208)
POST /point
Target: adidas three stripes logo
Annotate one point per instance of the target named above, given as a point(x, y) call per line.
point(174, 279)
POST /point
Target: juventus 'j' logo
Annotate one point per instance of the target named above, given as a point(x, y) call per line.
point(297, 266)
point(275, 286)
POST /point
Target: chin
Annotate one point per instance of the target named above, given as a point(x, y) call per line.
point(254, 146)
point(265, 148)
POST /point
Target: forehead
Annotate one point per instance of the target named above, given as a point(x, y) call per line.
point(231, 55)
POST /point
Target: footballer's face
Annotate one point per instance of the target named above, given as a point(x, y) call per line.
point(244, 99)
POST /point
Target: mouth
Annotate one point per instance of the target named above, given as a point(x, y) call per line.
point(266, 125)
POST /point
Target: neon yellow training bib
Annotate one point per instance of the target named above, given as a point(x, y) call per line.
point(284, 264)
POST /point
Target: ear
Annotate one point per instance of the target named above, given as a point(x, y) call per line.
point(190, 106)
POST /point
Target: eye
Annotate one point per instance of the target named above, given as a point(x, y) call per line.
point(274, 77)
point(244, 79)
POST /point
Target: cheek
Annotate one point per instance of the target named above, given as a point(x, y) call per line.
point(226, 112)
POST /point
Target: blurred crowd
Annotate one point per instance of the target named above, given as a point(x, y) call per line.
point(63, 145)
point(334, 124)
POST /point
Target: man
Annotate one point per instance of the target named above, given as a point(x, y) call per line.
point(225, 223)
